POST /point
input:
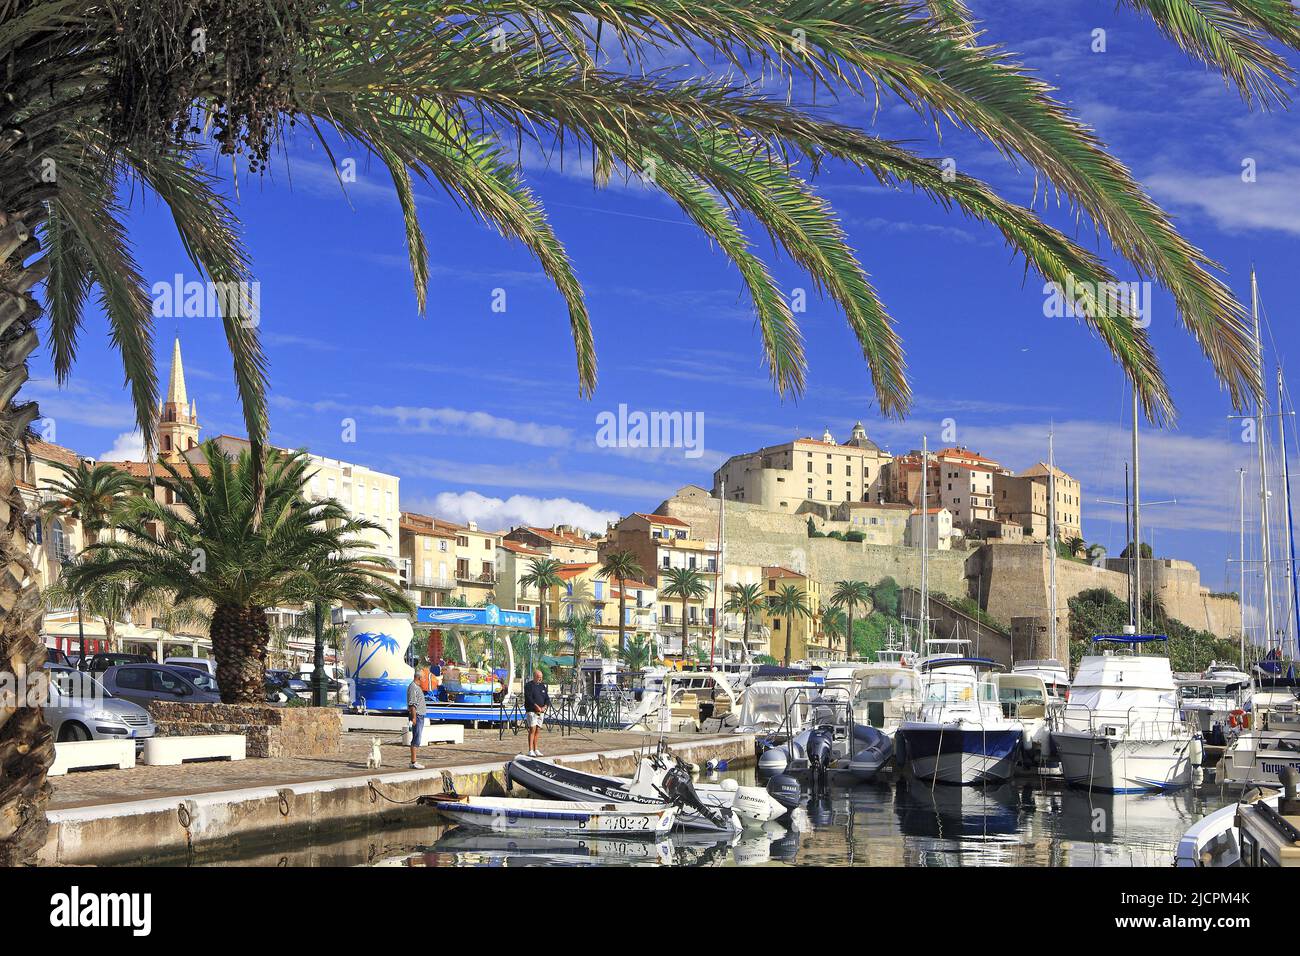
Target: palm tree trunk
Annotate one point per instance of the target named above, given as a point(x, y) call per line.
point(622, 617)
point(26, 744)
point(239, 640)
point(789, 637)
point(848, 637)
point(684, 616)
point(745, 637)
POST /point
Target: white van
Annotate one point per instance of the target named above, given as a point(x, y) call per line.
point(201, 663)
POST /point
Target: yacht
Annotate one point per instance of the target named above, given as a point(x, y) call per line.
point(1027, 699)
point(1121, 730)
point(1214, 702)
point(1054, 674)
point(1263, 752)
point(959, 734)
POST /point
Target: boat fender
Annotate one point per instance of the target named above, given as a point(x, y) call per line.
point(731, 786)
point(1026, 739)
point(1196, 751)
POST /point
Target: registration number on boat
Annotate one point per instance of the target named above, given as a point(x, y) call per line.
point(628, 823)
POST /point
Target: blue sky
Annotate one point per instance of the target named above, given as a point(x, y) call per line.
point(478, 411)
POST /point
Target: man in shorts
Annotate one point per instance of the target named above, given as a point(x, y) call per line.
point(536, 700)
point(416, 708)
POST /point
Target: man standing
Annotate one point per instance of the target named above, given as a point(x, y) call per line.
point(536, 700)
point(416, 708)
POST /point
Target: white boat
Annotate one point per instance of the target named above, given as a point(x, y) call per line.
point(1054, 674)
point(959, 735)
point(1260, 754)
point(506, 815)
point(767, 707)
point(1121, 730)
point(884, 694)
point(1026, 699)
point(1214, 703)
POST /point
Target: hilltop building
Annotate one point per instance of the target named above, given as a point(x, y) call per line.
point(788, 477)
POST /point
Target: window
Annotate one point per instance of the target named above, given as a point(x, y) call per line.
point(828, 468)
point(166, 683)
point(442, 545)
point(810, 464)
point(132, 678)
point(59, 539)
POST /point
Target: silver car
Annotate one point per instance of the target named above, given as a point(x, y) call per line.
point(81, 709)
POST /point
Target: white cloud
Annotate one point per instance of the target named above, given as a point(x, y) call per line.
point(1271, 202)
point(128, 446)
point(501, 514)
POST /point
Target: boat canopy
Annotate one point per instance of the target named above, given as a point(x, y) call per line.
point(765, 703)
point(1129, 638)
point(976, 662)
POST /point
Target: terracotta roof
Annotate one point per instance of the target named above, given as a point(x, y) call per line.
point(556, 537)
point(140, 469)
point(422, 524)
point(959, 452)
point(659, 519)
point(929, 511)
point(518, 548)
point(573, 570)
point(779, 572)
point(43, 449)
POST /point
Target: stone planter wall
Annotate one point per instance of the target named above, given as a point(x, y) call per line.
point(270, 731)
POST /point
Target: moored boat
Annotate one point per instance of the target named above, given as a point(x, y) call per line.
point(505, 815)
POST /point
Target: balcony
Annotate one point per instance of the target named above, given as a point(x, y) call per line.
point(468, 577)
point(437, 584)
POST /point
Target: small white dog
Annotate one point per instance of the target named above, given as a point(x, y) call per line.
point(375, 760)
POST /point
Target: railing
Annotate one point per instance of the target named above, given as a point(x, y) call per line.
point(566, 714)
point(1126, 728)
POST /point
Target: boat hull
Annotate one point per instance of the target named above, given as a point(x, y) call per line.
point(502, 815)
point(1119, 765)
point(1255, 758)
point(960, 755)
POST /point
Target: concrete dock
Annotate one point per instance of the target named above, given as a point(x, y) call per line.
point(170, 814)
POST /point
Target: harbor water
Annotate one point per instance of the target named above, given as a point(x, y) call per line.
point(902, 823)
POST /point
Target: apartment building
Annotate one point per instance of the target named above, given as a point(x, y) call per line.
point(1022, 501)
point(562, 543)
point(513, 564)
point(1069, 499)
point(428, 559)
point(802, 634)
point(785, 477)
point(966, 488)
point(879, 522)
point(939, 530)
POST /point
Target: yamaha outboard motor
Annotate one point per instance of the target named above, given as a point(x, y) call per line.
point(785, 790)
point(820, 749)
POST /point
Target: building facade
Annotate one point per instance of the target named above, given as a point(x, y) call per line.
point(785, 477)
point(1069, 500)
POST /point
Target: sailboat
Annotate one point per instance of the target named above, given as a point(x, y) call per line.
point(1122, 730)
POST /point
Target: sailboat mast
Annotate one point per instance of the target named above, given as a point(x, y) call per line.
point(1293, 603)
point(925, 538)
point(1241, 560)
point(1263, 469)
point(1051, 538)
point(1137, 523)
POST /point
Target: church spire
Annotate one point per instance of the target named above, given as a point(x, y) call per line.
point(176, 384)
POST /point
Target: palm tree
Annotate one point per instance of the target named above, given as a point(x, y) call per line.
point(89, 493)
point(1074, 545)
point(747, 601)
point(687, 584)
point(850, 595)
point(211, 549)
point(789, 602)
point(328, 578)
point(622, 566)
point(107, 597)
point(96, 99)
point(833, 624)
point(637, 653)
point(543, 574)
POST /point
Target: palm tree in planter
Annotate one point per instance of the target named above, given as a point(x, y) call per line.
point(543, 574)
point(687, 584)
point(789, 602)
point(747, 601)
point(851, 595)
point(622, 566)
point(211, 548)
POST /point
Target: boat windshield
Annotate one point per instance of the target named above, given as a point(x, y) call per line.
point(949, 691)
point(874, 688)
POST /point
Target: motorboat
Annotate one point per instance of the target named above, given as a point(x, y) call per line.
point(1121, 730)
point(959, 735)
point(647, 786)
point(1054, 674)
point(883, 695)
point(1214, 702)
point(1261, 829)
point(767, 708)
point(1026, 698)
point(555, 817)
point(1267, 745)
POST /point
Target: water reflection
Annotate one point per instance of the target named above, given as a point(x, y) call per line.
point(893, 824)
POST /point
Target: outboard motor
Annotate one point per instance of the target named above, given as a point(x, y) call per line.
point(820, 750)
point(774, 761)
point(785, 790)
point(679, 789)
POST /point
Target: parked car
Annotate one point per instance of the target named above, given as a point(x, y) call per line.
point(98, 663)
point(200, 677)
point(81, 708)
point(199, 663)
point(55, 656)
point(289, 682)
point(142, 683)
